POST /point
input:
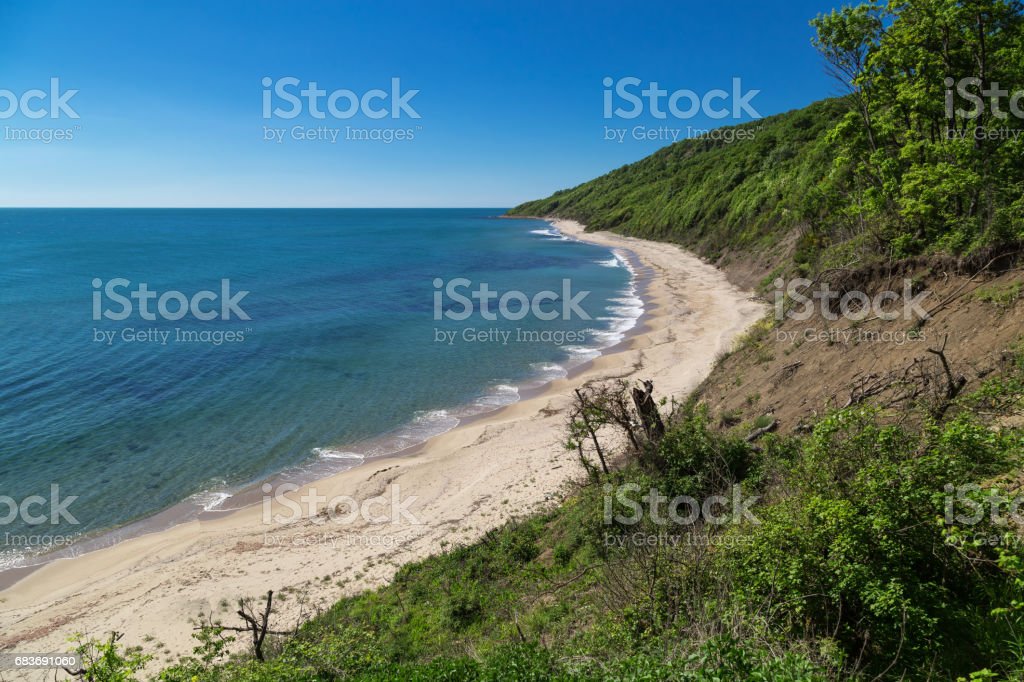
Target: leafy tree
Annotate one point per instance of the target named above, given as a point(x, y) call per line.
point(927, 156)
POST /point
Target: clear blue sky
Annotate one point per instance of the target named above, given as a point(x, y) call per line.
point(510, 98)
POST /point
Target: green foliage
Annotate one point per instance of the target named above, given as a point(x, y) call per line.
point(882, 172)
point(107, 661)
point(723, 660)
point(696, 461)
point(1002, 298)
point(855, 550)
point(918, 166)
point(709, 194)
point(211, 648)
point(852, 570)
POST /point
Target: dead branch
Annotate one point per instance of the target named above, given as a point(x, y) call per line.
point(953, 384)
point(582, 411)
point(757, 433)
point(654, 427)
point(787, 372)
point(256, 623)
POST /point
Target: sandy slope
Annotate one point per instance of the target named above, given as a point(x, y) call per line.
point(465, 482)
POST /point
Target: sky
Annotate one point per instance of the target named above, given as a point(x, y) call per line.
point(504, 101)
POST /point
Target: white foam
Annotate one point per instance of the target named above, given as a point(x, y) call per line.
point(210, 499)
point(616, 261)
point(328, 453)
point(629, 305)
point(11, 559)
point(430, 416)
point(429, 423)
point(580, 354)
point(500, 395)
point(608, 338)
point(549, 371)
point(551, 233)
point(623, 315)
point(616, 325)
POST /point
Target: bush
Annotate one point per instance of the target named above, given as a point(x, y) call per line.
point(858, 547)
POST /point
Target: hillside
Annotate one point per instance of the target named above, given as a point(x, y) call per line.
point(922, 156)
point(878, 452)
point(710, 195)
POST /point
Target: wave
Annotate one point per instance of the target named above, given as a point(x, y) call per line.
point(209, 500)
point(427, 424)
point(423, 426)
point(500, 396)
point(551, 233)
point(580, 354)
point(328, 453)
point(616, 261)
point(549, 371)
point(10, 558)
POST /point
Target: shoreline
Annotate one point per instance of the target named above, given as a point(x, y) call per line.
point(489, 468)
point(250, 494)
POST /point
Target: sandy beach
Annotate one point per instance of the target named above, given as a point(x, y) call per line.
point(454, 487)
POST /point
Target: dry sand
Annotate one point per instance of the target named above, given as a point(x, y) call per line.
point(471, 479)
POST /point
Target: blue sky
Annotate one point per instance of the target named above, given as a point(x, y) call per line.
point(511, 95)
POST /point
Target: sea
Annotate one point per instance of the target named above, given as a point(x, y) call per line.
point(166, 359)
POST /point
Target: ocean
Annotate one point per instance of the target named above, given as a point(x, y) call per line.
point(336, 336)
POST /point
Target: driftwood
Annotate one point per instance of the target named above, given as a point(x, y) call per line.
point(911, 383)
point(787, 372)
point(757, 433)
point(647, 408)
point(867, 387)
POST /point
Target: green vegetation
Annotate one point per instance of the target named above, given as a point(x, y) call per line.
point(879, 544)
point(707, 194)
point(860, 558)
point(1002, 298)
point(919, 166)
point(881, 173)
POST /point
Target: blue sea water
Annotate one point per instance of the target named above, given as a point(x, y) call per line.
point(342, 357)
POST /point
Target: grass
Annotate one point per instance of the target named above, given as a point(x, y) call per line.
point(1002, 297)
point(846, 564)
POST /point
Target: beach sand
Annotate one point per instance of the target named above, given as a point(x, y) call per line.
point(505, 464)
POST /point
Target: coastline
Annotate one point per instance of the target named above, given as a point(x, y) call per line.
point(398, 442)
point(488, 469)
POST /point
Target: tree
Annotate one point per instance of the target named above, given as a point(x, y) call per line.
point(926, 157)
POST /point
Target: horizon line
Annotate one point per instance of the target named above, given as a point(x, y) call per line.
point(254, 208)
